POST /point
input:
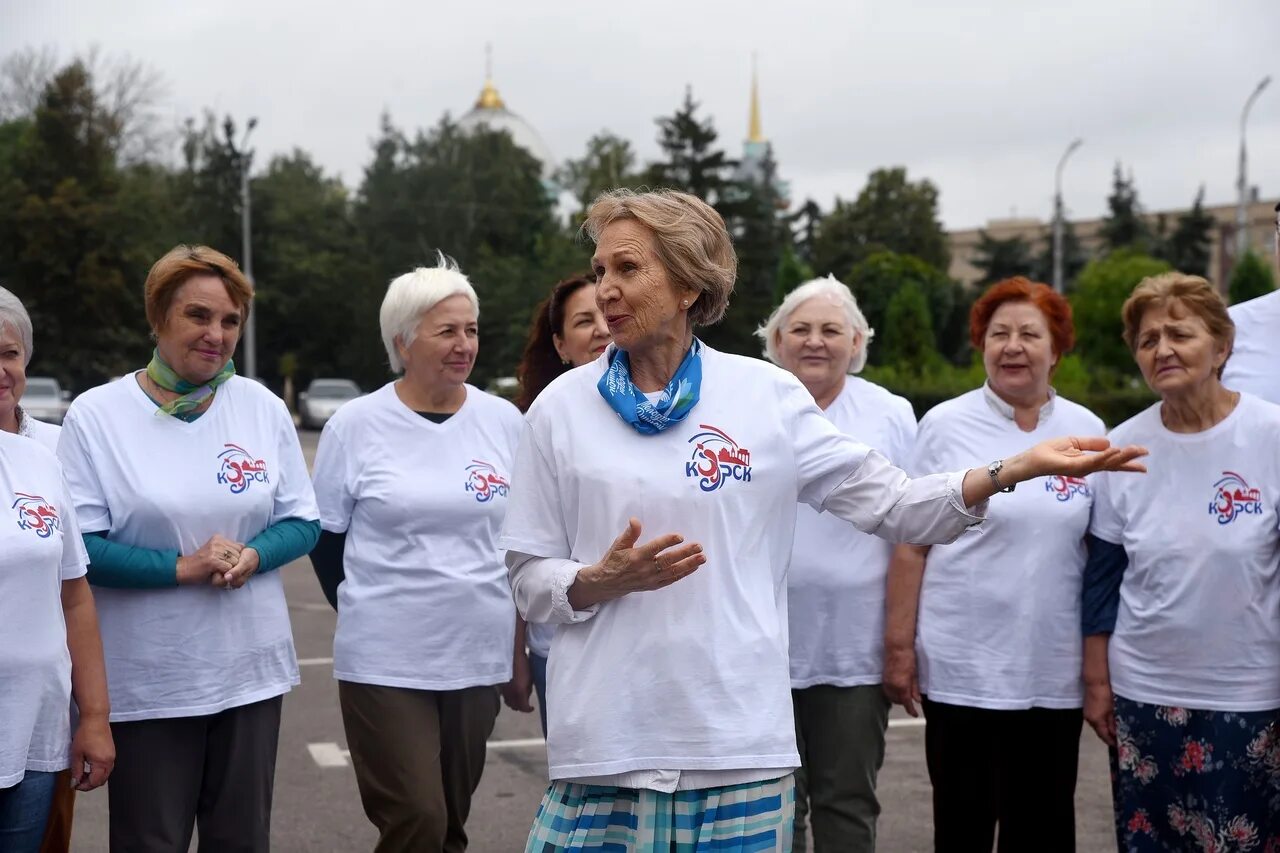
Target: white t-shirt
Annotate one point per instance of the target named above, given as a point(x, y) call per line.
point(426, 603)
point(40, 547)
point(1254, 365)
point(1199, 619)
point(836, 585)
point(45, 433)
point(694, 676)
point(999, 619)
point(155, 481)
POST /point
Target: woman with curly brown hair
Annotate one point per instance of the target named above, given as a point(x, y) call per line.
point(567, 331)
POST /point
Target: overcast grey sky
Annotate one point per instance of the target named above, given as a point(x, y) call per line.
point(981, 97)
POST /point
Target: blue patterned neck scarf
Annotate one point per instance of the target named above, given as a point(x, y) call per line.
point(672, 406)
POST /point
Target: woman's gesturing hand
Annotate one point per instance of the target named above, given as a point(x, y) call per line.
point(215, 557)
point(1078, 456)
point(627, 568)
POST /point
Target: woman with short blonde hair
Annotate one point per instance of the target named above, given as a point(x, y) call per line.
point(670, 721)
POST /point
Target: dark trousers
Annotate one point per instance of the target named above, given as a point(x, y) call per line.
point(215, 771)
point(418, 756)
point(840, 735)
point(1012, 768)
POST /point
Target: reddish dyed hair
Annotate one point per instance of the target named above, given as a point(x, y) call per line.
point(1054, 306)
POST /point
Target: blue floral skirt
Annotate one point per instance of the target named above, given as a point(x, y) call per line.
point(1196, 780)
point(751, 818)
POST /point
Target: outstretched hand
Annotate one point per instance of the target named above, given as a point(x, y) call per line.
point(1079, 456)
point(626, 567)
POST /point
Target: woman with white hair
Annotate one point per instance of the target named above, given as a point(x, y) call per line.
point(50, 649)
point(412, 483)
point(669, 705)
point(15, 356)
point(835, 589)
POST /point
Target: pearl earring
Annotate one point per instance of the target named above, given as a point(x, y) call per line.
point(685, 303)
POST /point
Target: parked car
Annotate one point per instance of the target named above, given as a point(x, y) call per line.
point(322, 398)
point(45, 400)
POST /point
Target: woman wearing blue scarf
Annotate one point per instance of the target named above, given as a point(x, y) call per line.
point(662, 461)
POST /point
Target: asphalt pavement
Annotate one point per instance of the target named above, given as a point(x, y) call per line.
point(317, 807)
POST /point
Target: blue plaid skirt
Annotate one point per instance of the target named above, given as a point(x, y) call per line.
point(750, 818)
point(1196, 780)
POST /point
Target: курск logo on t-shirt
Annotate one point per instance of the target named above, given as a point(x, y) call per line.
point(717, 459)
point(36, 514)
point(485, 482)
point(1233, 497)
point(239, 469)
point(1066, 488)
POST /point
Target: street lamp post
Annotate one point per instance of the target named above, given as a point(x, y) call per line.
point(246, 217)
point(1242, 178)
point(1058, 224)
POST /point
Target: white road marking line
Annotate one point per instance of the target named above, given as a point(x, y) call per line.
point(329, 755)
point(315, 661)
point(906, 722)
point(518, 743)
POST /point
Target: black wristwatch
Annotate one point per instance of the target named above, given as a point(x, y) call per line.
point(993, 471)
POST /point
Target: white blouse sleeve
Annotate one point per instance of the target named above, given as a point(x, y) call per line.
point(540, 586)
point(840, 475)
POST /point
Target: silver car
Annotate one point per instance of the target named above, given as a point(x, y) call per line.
point(322, 398)
point(45, 400)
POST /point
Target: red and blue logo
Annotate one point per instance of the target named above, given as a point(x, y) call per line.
point(1066, 488)
point(484, 481)
point(1233, 497)
point(717, 459)
point(36, 514)
point(239, 469)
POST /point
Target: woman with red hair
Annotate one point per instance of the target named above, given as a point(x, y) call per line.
point(988, 640)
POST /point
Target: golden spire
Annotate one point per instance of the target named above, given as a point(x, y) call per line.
point(489, 98)
point(754, 133)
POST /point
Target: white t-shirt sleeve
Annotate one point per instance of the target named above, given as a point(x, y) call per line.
point(75, 560)
point(83, 486)
point(1105, 521)
point(294, 497)
point(535, 522)
point(824, 456)
point(335, 491)
point(905, 439)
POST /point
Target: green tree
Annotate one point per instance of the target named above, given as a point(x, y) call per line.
point(691, 161)
point(1187, 248)
point(609, 163)
point(1101, 290)
point(207, 187)
point(69, 247)
point(762, 238)
point(1124, 227)
point(878, 278)
point(908, 330)
point(1251, 278)
point(892, 214)
point(805, 223)
point(792, 272)
point(1000, 259)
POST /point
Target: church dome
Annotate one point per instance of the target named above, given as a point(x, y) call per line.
point(491, 111)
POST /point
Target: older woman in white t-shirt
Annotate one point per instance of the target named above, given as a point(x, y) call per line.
point(1182, 639)
point(996, 630)
point(670, 716)
point(50, 649)
point(835, 590)
point(191, 490)
point(412, 482)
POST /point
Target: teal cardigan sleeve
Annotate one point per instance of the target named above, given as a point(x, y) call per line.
point(127, 567)
point(112, 564)
point(284, 542)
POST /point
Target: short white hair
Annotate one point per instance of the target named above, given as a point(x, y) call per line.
point(832, 289)
point(414, 294)
point(14, 316)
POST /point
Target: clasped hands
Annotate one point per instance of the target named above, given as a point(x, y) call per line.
point(221, 562)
